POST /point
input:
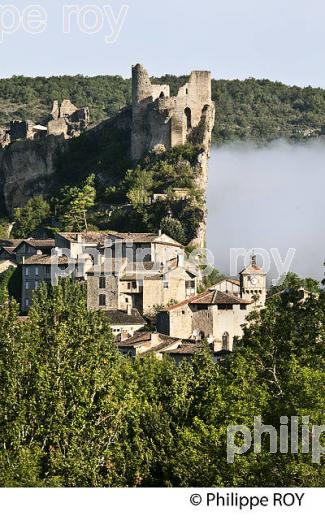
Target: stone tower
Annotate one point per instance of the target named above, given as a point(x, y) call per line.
point(161, 120)
point(253, 283)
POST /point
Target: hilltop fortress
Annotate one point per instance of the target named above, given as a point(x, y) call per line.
point(155, 121)
point(161, 120)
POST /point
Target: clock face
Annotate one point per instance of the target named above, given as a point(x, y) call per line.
point(254, 280)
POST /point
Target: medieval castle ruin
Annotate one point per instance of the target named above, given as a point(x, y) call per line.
point(66, 119)
point(161, 120)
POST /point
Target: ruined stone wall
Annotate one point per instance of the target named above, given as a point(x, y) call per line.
point(159, 120)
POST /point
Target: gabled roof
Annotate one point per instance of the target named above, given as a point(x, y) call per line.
point(10, 242)
point(37, 244)
point(211, 297)
point(8, 250)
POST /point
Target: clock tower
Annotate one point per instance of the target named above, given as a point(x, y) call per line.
point(253, 284)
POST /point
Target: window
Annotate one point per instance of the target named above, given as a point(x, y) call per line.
point(102, 300)
point(102, 282)
point(48, 269)
point(243, 307)
point(26, 271)
point(188, 115)
point(26, 303)
point(166, 284)
point(36, 271)
point(27, 285)
point(225, 341)
point(36, 285)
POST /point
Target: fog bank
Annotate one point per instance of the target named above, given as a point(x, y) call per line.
point(268, 197)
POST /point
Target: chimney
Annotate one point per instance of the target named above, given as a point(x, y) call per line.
point(159, 233)
point(254, 260)
point(79, 238)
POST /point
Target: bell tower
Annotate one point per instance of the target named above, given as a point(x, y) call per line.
point(253, 283)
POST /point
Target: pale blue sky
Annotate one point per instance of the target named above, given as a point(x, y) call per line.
point(277, 39)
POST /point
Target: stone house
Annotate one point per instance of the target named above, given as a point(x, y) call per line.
point(31, 247)
point(213, 315)
point(144, 343)
point(35, 270)
point(125, 323)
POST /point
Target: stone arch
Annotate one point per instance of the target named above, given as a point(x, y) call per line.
point(225, 341)
point(188, 114)
point(162, 95)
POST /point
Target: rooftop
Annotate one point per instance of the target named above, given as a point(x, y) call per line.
point(48, 260)
point(117, 317)
point(211, 297)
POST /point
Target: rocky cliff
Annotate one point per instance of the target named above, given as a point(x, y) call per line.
point(27, 169)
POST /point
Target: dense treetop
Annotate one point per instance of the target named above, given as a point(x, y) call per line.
point(75, 412)
point(249, 109)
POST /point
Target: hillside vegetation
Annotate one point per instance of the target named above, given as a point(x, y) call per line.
point(250, 109)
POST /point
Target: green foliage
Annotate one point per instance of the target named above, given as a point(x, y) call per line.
point(250, 109)
point(210, 279)
point(132, 203)
point(31, 218)
point(173, 228)
point(73, 412)
point(75, 202)
point(4, 225)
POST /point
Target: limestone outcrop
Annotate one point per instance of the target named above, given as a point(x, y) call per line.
point(27, 169)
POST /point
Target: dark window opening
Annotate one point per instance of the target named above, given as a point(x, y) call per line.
point(188, 114)
point(162, 95)
point(102, 282)
point(102, 300)
point(225, 341)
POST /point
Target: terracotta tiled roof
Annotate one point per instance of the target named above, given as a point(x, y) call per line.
point(138, 337)
point(185, 349)
point(211, 297)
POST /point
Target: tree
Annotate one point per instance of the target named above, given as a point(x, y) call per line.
point(31, 218)
point(76, 202)
point(173, 228)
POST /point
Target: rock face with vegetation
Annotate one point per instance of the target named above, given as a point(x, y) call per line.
point(148, 163)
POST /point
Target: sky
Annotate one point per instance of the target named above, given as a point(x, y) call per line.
point(277, 39)
point(269, 197)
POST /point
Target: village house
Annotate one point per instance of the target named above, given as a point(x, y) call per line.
point(219, 313)
point(212, 315)
point(143, 343)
